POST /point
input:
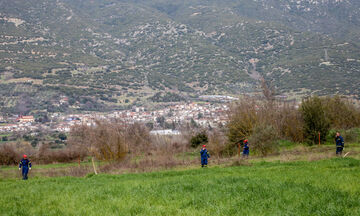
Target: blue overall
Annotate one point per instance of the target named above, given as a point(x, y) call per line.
point(246, 149)
point(339, 144)
point(25, 164)
point(204, 157)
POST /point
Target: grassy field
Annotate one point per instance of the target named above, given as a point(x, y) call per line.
point(325, 187)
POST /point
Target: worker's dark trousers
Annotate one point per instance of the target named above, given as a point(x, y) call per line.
point(25, 171)
point(339, 150)
point(246, 152)
point(204, 162)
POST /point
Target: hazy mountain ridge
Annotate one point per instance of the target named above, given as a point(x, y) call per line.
point(99, 53)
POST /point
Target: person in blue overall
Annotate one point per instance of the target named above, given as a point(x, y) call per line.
point(25, 164)
point(339, 144)
point(204, 156)
point(246, 149)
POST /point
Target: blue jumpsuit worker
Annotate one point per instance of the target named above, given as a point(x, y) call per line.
point(204, 156)
point(339, 143)
point(26, 165)
point(246, 149)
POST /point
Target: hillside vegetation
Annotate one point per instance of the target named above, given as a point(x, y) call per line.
point(104, 54)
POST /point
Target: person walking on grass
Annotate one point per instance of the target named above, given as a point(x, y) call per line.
point(204, 156)
point(25, 164)
point(339, 140)
point(246, 149)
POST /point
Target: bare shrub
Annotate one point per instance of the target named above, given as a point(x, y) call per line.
point(291, 123)
point(9, 155)
point(137, 138)
point(166, 144)
point(48, 155)
point(217, 142)
point(105, 140)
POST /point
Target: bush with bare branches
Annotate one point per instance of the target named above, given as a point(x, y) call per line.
point(9, 155)
point(105, 140)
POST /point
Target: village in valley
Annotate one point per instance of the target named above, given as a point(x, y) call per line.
point(161, 121)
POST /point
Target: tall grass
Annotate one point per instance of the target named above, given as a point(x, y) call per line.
point(328, 187)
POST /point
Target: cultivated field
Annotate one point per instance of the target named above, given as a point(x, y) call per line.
point(324, 187)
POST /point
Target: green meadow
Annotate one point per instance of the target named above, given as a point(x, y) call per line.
point(324, 187)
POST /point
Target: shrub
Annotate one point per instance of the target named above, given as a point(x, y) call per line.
point(105, 141)
point(341, 112)
point(8, 155)
point(199, 139)
point(291, 124)
point(263, 139)
point(48, 155)
point(217, 142)
point(137, 138)
point(243, 116)
point(111, 140)
point(62, 136)
point(34, 143)
point(315, 119)
point(350, 136)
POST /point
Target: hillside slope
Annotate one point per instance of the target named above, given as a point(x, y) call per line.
point(105, 54)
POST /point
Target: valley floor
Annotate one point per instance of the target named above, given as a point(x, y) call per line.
point(321, 187)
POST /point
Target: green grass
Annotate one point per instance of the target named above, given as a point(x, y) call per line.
point(47, 166)
point(327, 187)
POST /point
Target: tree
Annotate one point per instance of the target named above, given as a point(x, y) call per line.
point(268, 90)
point(161, 121)
point(341, 112)
point(150, 125)
point(263, 139)
point(62, 136)
point(315, 120)
point(199, 139)
point(34, 143)
point(105, 141)
point(4, 138)
point(243, 117)
point(193, 123)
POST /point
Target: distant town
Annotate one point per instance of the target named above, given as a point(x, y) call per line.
point(161, 121)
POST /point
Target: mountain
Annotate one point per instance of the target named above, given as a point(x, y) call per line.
point(66, 55)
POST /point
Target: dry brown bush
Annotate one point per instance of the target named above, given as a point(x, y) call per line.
point(106, 140)
point(47, 155)
point(217, 142)
point(9, 155)
point(169, 144)
point(137, 138)
point(290, 123)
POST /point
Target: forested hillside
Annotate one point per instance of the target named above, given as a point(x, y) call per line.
point(61, 55)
